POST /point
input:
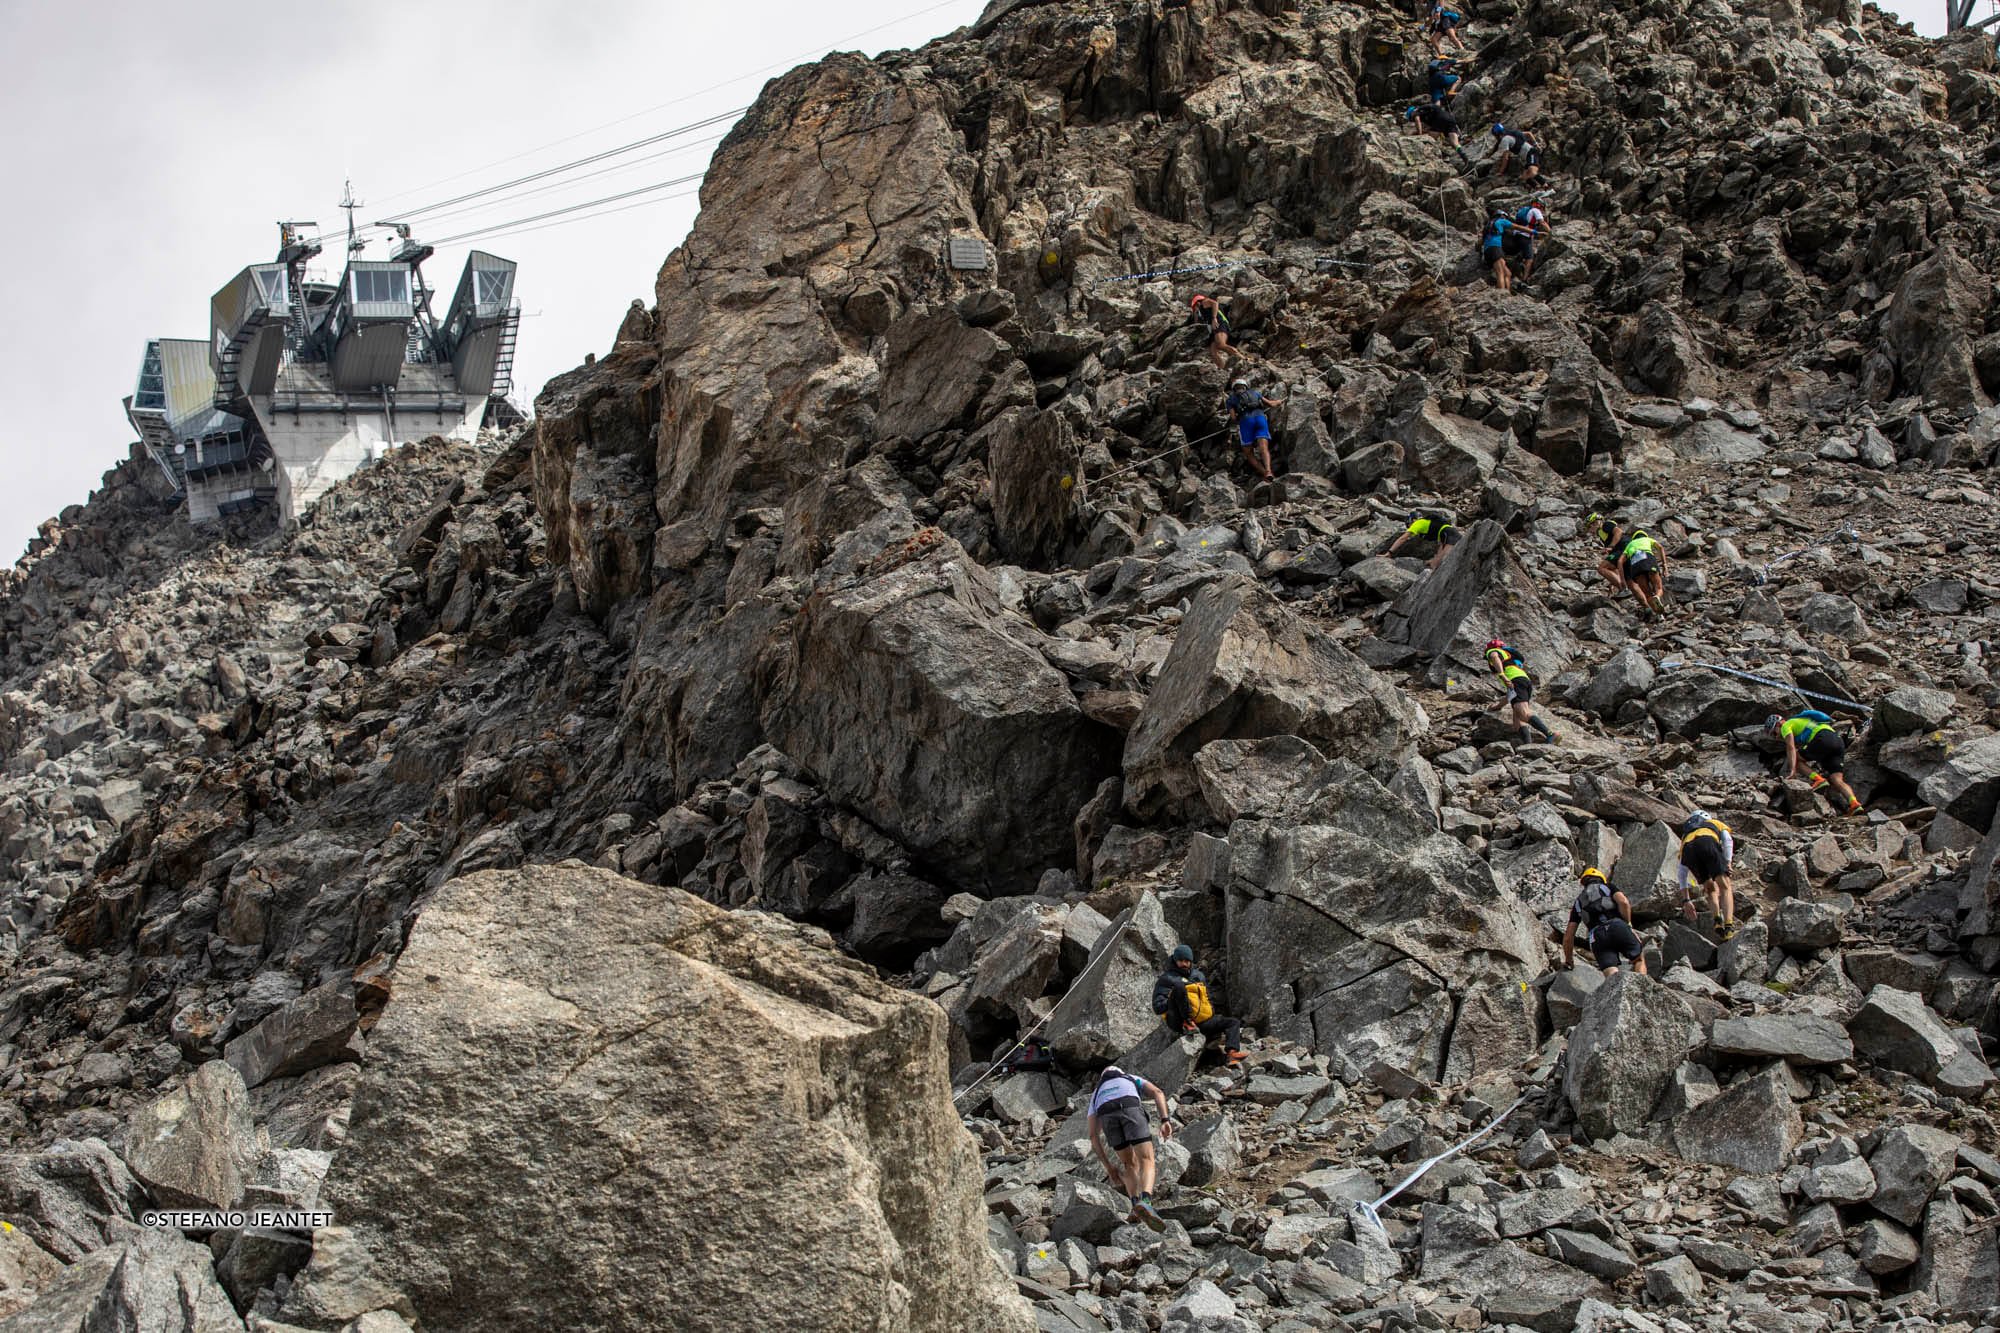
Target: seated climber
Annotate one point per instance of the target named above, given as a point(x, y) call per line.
point(1707, 852)
point(1253, 429)
point(1809, 735)
point(1606, 917)
point(1513, 673)
point(1444, 78)
point(1443, 25)
point(1632, 561)
point(1118, 1117)
point(1493, 250)
point(1180, 998)
point(1436, 118)
point(1521, 143)
point(1426, 525)
point(1208, 313)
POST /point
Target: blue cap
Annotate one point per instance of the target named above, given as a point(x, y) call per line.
point(1183, 954)
point(1409, 113)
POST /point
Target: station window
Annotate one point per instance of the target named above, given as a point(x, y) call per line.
point(492, 285)
point(374, 284)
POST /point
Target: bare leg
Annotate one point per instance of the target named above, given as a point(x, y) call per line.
point(1264, 456)
point(1839, 781)
point(1639, 964)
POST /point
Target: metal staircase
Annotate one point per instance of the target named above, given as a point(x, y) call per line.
point(503, 358)
point(231, 360)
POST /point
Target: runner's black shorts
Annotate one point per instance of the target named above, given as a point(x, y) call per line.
point(1450, 536)
point(1828, 753)
point(1641, 564)
point(1703, 859)
point(1125, 1124)
point(1613, 943)
point(1520, 691)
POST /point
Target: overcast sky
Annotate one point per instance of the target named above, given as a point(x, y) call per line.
point(151, 149)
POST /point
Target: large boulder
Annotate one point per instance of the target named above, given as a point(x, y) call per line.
point(1967, 785)
point(1357, 926)
point(72, 1197)
point(1034, 458)
point(1445, 452)
point(1647, 873)
point(1622, 1053)
point(1268, 776)
point(1800, 1039)
point(1693, 702)
point(1935, 314)
point(313, 1030)
point(913, 698)
point(1478, 593)
point(1243, 666)
point(1753, 1126)
point(1960, 1266)
point(733, 1122)
point(157, 1281)
point(1109, 1007)
point(1910, 1162)
point(196, 1147)
point(1898, 1030)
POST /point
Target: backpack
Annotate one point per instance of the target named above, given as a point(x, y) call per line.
point(1508, 657)
point(1596, 904)
point(1199, 1008)
point(1814, 715)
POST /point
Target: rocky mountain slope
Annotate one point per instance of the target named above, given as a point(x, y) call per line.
point(928, 609)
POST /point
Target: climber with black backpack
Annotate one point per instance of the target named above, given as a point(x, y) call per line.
point(1606, 917)
point(1513, 673)
point(1809, 736)
point(1426, 525)
point(1436, 118)
point(1708, 850)
point(1513, 143)
point(1180, 998)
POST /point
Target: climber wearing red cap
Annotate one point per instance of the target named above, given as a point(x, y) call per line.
point(1606, 917)
point(1208, 314)
point(1513, 673)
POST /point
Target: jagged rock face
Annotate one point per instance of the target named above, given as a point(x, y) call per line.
point(777, 1117)
point(1358, 928)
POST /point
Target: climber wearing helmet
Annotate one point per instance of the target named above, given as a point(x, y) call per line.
point(1443, 25)
point(1118, 1118)
point(1208, 313)
point(1521, 143)
point(1707, 853)
point(1513, 673)
point(1632, 561)
point(1809, 734)
point(1606, 917)
point(1444, 79)
point(1436, 118)
point(1253, 428)
point(1426, 525)
point(1531, 225)
point(1493, 250)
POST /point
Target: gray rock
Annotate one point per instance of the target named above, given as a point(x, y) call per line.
point(1530, 1211)
point(1692, 1085)
point(196, 1147)
point(1647, 873)
point(1801, 1039)
point(72, 1197)
point(1897, 1030)
point(1021, 1097)
point(1674, 1281)
point(1910, 1162)
point(1633, 1035)
point(156, 1280)
point(912, 700)
point(311, 1031)
point(1959, 1267)
point(1593, 1255)
point(1215, 1148)
point(1885, 1248)
point(1746, 955)
point(1109, 1007)
point(1353, 926)
point(1911, 709)
point(1340, 1186)
point(1967, 785)
point(1569, 993)
point(1843, 1182)
point(1832, 615)
point(1803, 926)
point(1714, 1256)
point(1752, 1126)
point(489, 1077)
point(1082, 1208)
point(1627, 676)
point(1714, 441)
point(1268, 776)
point(1480, 592)
point(1536, 1152)
point(1243, 666)
point(257, 1258)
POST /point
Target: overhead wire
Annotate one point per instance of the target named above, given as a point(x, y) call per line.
point(571, 208)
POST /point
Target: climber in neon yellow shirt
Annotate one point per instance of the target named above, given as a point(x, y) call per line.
point(1809, 735)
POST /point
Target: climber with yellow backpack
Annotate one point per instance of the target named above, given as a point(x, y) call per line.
point(1708, 854)
point(1181, 999)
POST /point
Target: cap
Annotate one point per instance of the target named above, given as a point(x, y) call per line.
point(1413, 516)
point(1773, 722)
point(1495, 643)
point(1409, 113)
point(1498, 129)
point(1183, 954)
point(1592, 872)
point(1197, 299)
